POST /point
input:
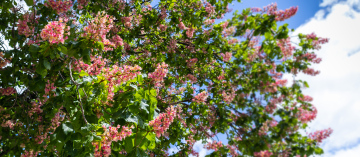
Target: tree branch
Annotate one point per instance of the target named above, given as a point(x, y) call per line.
point(77, 89)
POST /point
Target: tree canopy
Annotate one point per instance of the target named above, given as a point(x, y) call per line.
point(125, 78)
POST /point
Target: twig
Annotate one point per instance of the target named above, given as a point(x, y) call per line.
point(77, 89)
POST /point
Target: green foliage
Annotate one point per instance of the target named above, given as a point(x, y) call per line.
point(62, 107)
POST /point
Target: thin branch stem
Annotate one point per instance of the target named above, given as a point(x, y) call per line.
point(77, 89)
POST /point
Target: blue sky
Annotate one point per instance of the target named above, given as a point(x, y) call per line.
point(337, 88)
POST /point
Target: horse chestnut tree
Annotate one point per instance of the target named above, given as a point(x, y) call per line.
point(125, 78)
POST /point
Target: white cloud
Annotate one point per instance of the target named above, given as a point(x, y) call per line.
point(336, 89)
point(199, 147)
point(349, 152)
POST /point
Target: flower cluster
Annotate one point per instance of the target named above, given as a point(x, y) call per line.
point(30, 153)
point(55, 122)
point(201, 97)
point(226, 57)
point(98, 28)
point(181, 25)
point(23, 27)
point(110, 135)
point(82, 3)
point(264, 153)
point(209, 9)
point(311, 71)
point(228, 97)
point(280, 15)
point(117, 40)
point(49, 87)
point(286, 48)
point(305, 98)
point(3, 60)
point(95, 68)
point(190, 32)
point(320, 135)
point(7, 91)
point(163, 121)
point(9, 123)
point(266, 126)
point(233, 150)
point(311, 57)
point(209, 21)
point(35, 109)
point(306, 115)
point(316, 41)
point(54, 32)
point(60, 6)
point(159, 73)
point(192, 78)
point(118, 75)
point(191, 62)
point(214, 145)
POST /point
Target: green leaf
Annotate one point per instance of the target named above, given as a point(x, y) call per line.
point(47, 64)
point(67, 128)
point(152, 139)
point(41, 70)
point(86, 129)
point(34, 47)
point(319, 151)
point(63, 49)
point(83, 73)
point(144, 106)
point(88, 139)
point(132, 119)
point(29, 2)
point(129, 144)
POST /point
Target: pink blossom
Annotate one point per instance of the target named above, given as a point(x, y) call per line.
point(286, 48)
point(54, 32)
point(264, 153)
point(98, 29)
point(7, 91)
point(307, 115)
point(3, 60)
point(233, 150)
point(181, 26)
point(209, 9)
point(305, 98)
point(163, 121)
point(160, 72)
point(110, 135)
point(201, 97)
point(228, 97)
point(320, 135)
point(280, 15)
point(311, 71)
point(190, 32)
point(191, 62)
point(209, 21)
point(192, 78)
point(59, 6)
point(26, 24)
point(227, 56)
point(117, 40)
point(163, 27)
point(214, 145)
point(82, 3)
point(316, 41)
point(30, 153)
